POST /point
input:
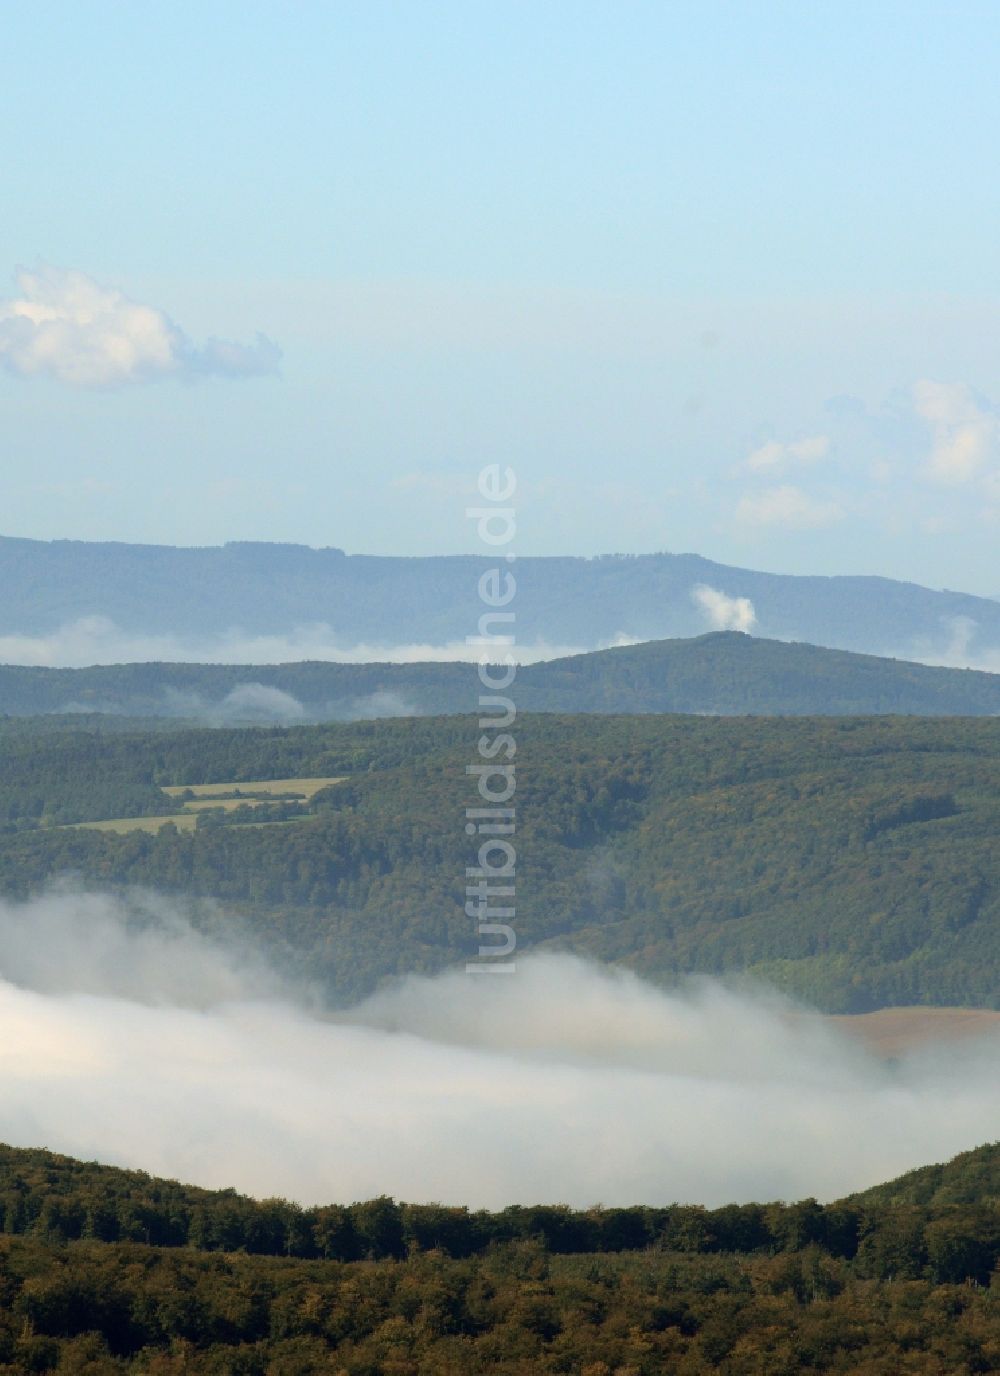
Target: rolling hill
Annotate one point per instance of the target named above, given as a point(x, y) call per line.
point(721, 673)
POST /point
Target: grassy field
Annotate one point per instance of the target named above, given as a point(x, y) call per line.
point(227, 795)
point(298, 788)
point(183, 821)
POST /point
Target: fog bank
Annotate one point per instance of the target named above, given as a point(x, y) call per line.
point(129, 1037)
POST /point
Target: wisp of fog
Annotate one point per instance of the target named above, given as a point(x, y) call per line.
point(128, 1036)
point(92, 640)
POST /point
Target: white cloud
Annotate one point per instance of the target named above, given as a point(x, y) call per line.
point(965, 433)
point(790, 507)
point(563, 1083)
point(66, 326)
point(774, 455)
point(724, 613)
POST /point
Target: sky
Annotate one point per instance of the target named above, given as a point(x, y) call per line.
point(713, 277)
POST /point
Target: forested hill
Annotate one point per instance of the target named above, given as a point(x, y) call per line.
point(723, 673)
point(851, 861)
point(971, 1178)
point(270, 589)
point(732, 674)
point(109, 1272)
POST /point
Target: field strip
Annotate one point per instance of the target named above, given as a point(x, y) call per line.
point(896, 1031)
point(207, 796)
point(181, 820)
point(306, 788)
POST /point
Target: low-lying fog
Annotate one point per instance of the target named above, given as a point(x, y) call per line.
point(129, 1037)
point(92, 640)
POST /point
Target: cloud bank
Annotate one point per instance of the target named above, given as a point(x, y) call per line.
point(562, 1082)
point(64, 325)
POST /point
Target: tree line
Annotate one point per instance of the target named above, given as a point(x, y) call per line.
point(190, 1280)
point(61, 1200)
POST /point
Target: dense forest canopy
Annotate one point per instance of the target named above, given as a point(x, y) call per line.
point(105, 1270)
point(849, 861)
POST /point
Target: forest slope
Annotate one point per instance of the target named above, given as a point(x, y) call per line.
point(849, 861)
point(971, 1178)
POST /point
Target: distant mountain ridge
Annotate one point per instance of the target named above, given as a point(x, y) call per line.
point(723, 673)
point(269, 589)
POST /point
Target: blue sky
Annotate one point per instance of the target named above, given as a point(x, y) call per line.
point(718, 277)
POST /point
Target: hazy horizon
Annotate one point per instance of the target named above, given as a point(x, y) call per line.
point(336, 265)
